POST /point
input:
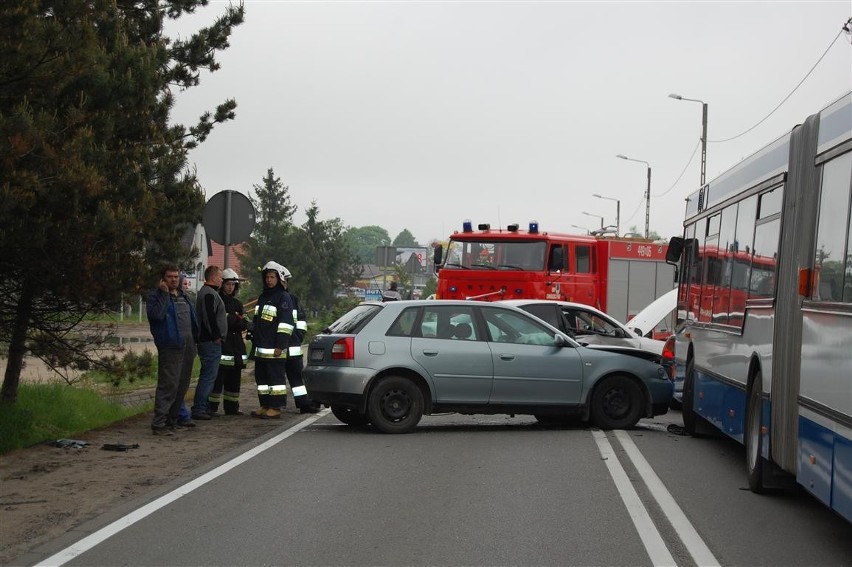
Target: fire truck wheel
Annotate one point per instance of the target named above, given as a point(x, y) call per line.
point(616, 403)
point(395, 405)
point(349, 416)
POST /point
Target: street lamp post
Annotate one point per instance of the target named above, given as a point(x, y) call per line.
point(582, 228)
point(703, 132)
point(647, 194)
point(597, 216)
point(617, 212)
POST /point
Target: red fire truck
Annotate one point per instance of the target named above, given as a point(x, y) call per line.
point(618, 276)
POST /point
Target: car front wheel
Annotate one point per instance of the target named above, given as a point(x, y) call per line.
point(395, 405)
point(616, 403)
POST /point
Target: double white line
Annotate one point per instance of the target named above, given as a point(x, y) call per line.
point(651, 538)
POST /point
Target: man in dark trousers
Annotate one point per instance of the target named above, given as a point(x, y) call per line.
point(213, 324)
point(273, 325)
point(175, 330)
point(227, 387)
point(294, 362)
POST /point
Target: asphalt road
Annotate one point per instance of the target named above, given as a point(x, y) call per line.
point(485, 490)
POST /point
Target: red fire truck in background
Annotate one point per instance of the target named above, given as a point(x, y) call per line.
point(618, 276)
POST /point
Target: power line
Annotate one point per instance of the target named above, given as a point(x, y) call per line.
point(667, 191)
point(845, 28)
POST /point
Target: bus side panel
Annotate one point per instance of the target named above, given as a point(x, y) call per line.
point(721, 403)
point(841, 497)
point(815, 459)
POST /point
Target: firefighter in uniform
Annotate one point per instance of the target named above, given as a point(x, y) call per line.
point(273, 325)
point(294, 362)
point(227, 386)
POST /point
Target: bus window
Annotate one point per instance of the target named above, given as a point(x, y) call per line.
point(711, 272)
point(741, 269)
point(765, 252)
point(833, 263)
point(727, 251)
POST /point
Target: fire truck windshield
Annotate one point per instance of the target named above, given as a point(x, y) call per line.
point(527, 255)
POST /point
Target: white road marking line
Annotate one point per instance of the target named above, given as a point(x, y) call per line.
point(110, 530)
point(651, 538)
point(684, 528)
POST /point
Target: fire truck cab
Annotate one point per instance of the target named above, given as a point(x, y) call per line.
point(619, 277)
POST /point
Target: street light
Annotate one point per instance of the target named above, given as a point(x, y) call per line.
point(703, 132)
point(582, 228)
point(617, 212)
point(647, 194)
point(597, 216)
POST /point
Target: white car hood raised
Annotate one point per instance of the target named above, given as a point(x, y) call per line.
point(652, 315)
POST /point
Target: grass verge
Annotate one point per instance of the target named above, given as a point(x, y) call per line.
point(45, 412)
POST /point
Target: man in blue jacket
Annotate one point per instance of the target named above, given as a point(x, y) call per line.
point(174, 327)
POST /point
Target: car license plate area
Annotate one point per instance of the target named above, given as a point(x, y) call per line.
point(316, 354)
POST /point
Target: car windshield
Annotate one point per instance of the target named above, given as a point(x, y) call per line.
point(354, 320)
point(496, 255)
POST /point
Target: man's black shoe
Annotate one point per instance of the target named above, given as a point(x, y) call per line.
point(162, 431)
point(309, 409)
point(201, 416)
point(213, 414)
point(235, 412)
point(187, 423)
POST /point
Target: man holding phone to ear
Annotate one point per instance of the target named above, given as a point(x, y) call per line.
point(174, 327)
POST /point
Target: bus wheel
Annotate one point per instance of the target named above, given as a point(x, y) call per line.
point(688, 403)
point(753, 435)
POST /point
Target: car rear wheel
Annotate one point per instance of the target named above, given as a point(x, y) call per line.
point(395, 405)
point(349, 416)
point(616, 403)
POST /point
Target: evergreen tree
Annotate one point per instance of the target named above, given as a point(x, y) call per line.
point(95, 192)
point(273, 226)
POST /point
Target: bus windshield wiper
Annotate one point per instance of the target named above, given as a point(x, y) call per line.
point(486, 266)
point(454, 265)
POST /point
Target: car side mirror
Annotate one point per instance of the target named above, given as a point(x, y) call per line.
point(561, 341)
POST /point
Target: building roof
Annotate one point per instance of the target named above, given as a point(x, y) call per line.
point(217, 257)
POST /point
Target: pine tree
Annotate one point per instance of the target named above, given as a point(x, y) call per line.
point(95, 192)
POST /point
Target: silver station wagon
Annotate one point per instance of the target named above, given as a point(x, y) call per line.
point(388, 364)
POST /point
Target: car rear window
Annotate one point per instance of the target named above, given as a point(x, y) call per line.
point(354, 320)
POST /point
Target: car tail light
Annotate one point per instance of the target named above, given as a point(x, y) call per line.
point(669, 357)
point(343, 349)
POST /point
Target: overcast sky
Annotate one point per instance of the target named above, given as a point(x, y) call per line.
point(419, 115)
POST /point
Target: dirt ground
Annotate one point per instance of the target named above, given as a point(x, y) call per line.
point(46, 491)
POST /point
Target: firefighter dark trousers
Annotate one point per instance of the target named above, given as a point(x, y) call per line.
point(297, 386)
point(226, 389)
point(271, 383)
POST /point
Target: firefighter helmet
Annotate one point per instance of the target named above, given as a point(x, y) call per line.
point(280, 270)
point(229, 275)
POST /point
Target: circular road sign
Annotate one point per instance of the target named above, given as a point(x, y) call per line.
point(229, 215)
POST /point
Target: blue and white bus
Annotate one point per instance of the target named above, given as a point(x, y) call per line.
point(765, 298)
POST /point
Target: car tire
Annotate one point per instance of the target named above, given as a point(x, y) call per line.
point(349, 416)
point(754, 436)
point(690, 420)
point(395, 405)
point(617, 403)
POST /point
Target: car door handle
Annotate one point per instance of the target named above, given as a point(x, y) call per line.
point(430, 352)
point(507, 357)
